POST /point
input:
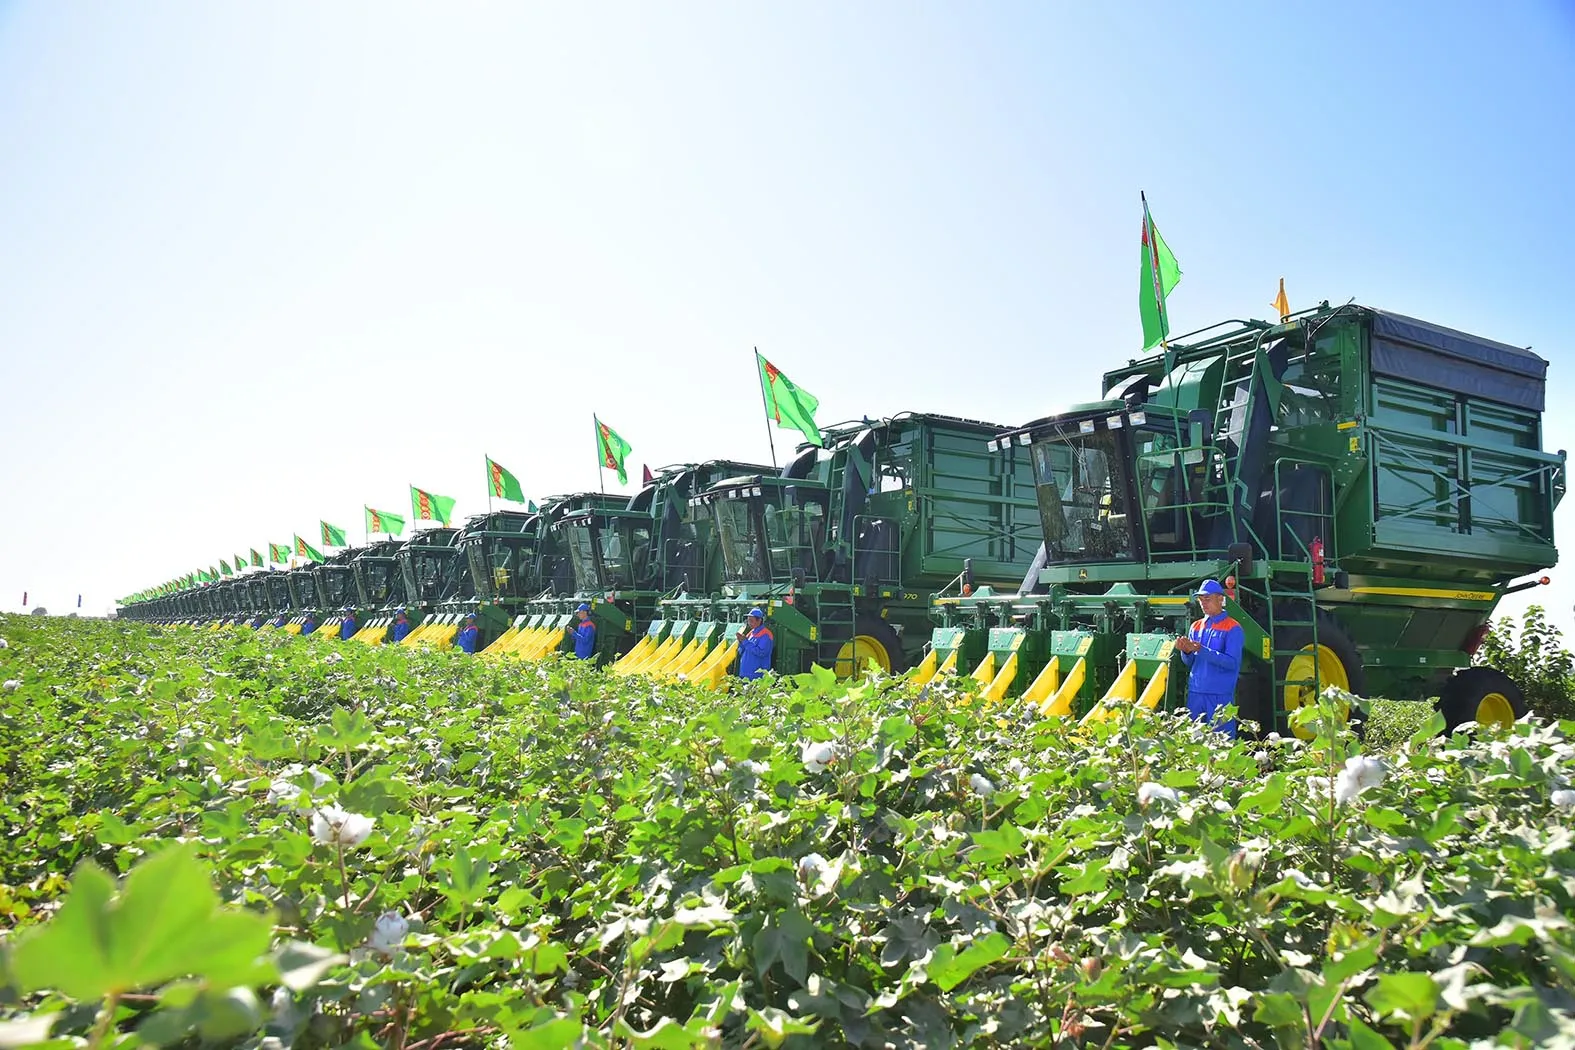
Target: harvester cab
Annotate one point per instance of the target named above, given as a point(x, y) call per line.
point(1366, 486)
point(566, 555)
point(502, 552)
point(380, 589)
point(258, 602)
point(281, 605)
point(843, 548)
point(336, 590)
point(434, 574)
point(302, 583)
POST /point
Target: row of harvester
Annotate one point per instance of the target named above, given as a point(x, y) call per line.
point(1368, 486)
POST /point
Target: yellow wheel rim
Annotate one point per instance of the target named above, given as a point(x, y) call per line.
point(1495, 709)
point(1330, 672)
point(856, 654)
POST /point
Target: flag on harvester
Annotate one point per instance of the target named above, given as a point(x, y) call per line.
point(1159, 275)
point(257, 559)
point(279, 553)
point(789, 407)
point(502, 484)
point(240, 564)
point(612, 450)
point(305, 550)
point(384, 522)
point(646, 477)
point(428, 506)
point(333, 535)
point(1281, 303)
point(224, 567)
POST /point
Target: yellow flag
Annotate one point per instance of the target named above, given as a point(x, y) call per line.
point(1281, 303)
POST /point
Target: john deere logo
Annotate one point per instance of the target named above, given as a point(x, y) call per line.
point(1082, 574)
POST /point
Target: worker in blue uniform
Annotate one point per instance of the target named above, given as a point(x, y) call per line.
point(755, 642)
point(1212, 651)
point(584, 632)
point(347, 624)
point(401, 624)
point(309, 624)
point(281, 619)
point(468, 635)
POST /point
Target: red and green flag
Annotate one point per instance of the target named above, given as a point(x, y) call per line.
point(612, 450)
point(224, 567)
point(1159, 275)
point(789, 407)
point(384, 522)
point(429, 506)
point(502, 484)
point(305, 550)
point(240, 564)
point(206, 575)
point(257, 559)
point(278, 553)
point(333, 535)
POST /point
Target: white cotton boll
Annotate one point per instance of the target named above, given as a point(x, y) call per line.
point(11, 685)
point(4, 644)
point(333, 826)
point(1150, 793)
point(759, 769)
point(1360, 774)
point(811, 865)
point(333, 658)
point(717, 768)
point(1260, 756)
point(389, 933)
point(817, 756)
point(284, 791)
point(980, 785)
point(1563, 798)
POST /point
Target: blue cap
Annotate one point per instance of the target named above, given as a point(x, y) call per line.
point(470, 616)
point(757, 613)
point(582, 607)
point(400, 610)
point(1209, 587)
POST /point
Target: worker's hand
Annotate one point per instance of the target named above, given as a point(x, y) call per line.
point(1187, 645)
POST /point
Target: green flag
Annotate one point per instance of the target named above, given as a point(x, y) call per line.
point(428, 506)
point(333, 535)
point(256, 558)
point(789, 406)
point(240, 564)
point(531, 506)
point(502, 484)
point(304, 550)
point(204, 576)
point(384, 522)
point(1159, 275)
point(224, 567)
point(612, 450)
point(278, 553)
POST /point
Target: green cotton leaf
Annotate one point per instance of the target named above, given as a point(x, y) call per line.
point(1404, 996)
point(948, 968)
point(558, 1034)
point(784, 936)
point(1518, 929)
point(990, 847)
point(1430, 730)
point(1267, 798)
point(775, 1025)
point(1364, 1038)
point(667, 1034)
point(467, 878)
point(165, 922)
point(346, 731)
point(301, 965)
point(1279, 1010)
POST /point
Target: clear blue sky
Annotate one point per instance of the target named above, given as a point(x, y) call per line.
point(261, 264)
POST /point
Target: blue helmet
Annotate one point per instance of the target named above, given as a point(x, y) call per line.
point(1209, 587)
point(757, 613)
point(470, 616)
point(582, 607)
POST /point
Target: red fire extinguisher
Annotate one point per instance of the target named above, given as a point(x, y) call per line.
point(1317, 560)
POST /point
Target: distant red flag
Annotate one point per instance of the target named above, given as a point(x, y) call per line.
point(646, 477)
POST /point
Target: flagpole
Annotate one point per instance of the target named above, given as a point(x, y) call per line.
point(489, 483)
point(770, 438)
point(601, 473)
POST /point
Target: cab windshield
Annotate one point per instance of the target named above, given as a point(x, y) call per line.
point(1081, 484)
point(743, 559)
point(279, 593)
point(303, 588)
point(377, 580)
point(336, 582)
point(431, 573)
point(501, 568)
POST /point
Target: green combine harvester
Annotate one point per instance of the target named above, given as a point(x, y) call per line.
point(501, 551)
point(1366, 486)
point(434, 576)
point(379, 588)
point(843, 548)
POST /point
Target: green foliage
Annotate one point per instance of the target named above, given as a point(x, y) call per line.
point(1535, 657)
point(544, 855)
point(1393, 722)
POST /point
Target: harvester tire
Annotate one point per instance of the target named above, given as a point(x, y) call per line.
point(872, 638)
point(1338, 664)
point(1484, 695)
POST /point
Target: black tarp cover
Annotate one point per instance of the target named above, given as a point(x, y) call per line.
point(1434, 356)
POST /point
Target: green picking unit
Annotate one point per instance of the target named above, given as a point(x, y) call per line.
point(1367, 485)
